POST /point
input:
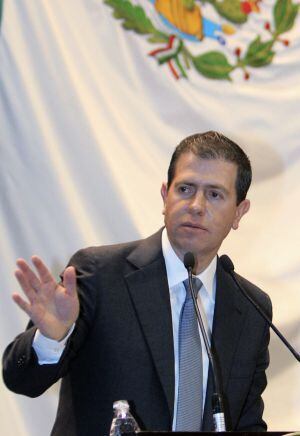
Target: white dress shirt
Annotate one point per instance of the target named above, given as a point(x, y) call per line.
point(177, 273)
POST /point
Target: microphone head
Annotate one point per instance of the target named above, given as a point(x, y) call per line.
point(189, 260)
point(227, 263)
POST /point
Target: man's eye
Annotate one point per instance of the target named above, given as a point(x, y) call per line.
point(214, 194)
point(184, 189)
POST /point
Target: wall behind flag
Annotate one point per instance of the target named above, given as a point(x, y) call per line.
point(89, 119)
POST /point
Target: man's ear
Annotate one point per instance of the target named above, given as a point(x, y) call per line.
point(241, 209)
point(164, 193)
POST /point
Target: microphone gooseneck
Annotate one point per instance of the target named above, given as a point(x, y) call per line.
point(217, 399)
point(229, 268)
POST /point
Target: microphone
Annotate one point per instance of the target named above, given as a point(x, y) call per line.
point(189, 260)
point(217, 399)
point(229, 268)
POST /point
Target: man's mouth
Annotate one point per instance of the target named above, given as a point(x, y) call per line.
point(194, 226)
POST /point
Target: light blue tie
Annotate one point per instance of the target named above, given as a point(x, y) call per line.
point(189, 405)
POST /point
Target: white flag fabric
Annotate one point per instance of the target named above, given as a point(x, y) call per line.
point(95, 96)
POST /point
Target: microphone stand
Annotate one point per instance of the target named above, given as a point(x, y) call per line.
point(217, 400)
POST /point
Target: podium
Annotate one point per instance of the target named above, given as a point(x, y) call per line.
point(222, 433)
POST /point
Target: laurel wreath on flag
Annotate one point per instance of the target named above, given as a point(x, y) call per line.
point(212, 64)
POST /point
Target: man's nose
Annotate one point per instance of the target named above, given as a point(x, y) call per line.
point(198, 203)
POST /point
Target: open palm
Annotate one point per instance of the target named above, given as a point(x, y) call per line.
point(52, 307)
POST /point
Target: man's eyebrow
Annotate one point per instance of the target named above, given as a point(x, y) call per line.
point(183, 182)
point(218, 187)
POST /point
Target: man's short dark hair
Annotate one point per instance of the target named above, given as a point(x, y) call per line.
point(214, 145)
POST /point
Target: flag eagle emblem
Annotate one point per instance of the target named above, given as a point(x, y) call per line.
point(179, 26)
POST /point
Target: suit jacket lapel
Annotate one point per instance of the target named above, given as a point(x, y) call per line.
point(148, 287)
point(228, 320)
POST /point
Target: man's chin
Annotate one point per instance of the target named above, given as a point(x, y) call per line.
point(186, 245)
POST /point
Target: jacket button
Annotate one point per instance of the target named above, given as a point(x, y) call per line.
point(21, 360)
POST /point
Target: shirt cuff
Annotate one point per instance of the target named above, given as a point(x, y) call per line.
point(48, 350)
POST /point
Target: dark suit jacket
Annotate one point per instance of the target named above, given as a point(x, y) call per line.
point(122, 346)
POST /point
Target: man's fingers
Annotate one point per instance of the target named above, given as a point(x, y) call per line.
point(69, 280)
point(31, 277)
point(28, 290)
point(22, 303)
point(44, 273)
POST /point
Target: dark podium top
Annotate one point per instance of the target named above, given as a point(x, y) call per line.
point(222, 433)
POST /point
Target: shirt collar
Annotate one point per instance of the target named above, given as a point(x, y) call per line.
point(176, 271)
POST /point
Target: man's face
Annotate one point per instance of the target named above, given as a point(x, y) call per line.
point(200, 206)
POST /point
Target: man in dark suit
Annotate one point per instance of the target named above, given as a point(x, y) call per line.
point(110, 328)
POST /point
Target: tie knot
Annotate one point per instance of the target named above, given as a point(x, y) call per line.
point(196, 284)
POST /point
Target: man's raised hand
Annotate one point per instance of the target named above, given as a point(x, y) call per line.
point(52, 307)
